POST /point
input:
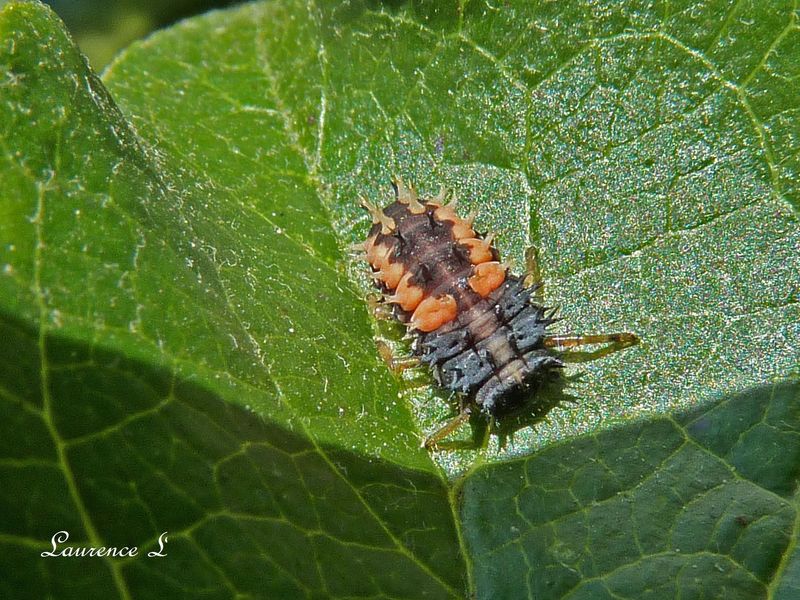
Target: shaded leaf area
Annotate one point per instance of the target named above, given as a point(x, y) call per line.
point(250, 508)
point(672, 507)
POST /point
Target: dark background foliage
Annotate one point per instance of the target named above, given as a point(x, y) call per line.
point(102, 28)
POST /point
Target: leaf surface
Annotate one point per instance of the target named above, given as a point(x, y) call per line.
point(190, 350)
point(671, 507)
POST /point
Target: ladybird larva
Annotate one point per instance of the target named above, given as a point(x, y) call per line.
point(476, 325)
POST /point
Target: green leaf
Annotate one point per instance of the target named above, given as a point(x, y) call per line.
point(158, 376)
point(702, 503)
point(188, 348)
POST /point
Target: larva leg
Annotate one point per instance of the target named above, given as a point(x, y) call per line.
point(562, 342)
point(356, 250)
point(378, 308)
point(533, 273)
point(490, 427)
point(437, 436)
point(396, 365)
point(615, 341)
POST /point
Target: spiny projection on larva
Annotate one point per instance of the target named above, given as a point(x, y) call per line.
point(475, 324)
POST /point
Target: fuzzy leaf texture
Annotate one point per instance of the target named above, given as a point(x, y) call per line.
point(188, 348)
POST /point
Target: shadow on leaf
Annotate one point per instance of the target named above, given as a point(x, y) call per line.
point(697, 504)
point(117, 451)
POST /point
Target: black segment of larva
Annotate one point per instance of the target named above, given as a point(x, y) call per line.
point(494, 352)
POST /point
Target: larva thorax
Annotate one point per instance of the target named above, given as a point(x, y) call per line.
point(429, 262)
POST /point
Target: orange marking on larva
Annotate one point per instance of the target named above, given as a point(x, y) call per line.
point(461, 229)
point(391, 273)
point(487, 277)
point(368, 244)
point(432, 313)
point(407, 295)
point(446, 213)
point(378, 255)
point(480, 251)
